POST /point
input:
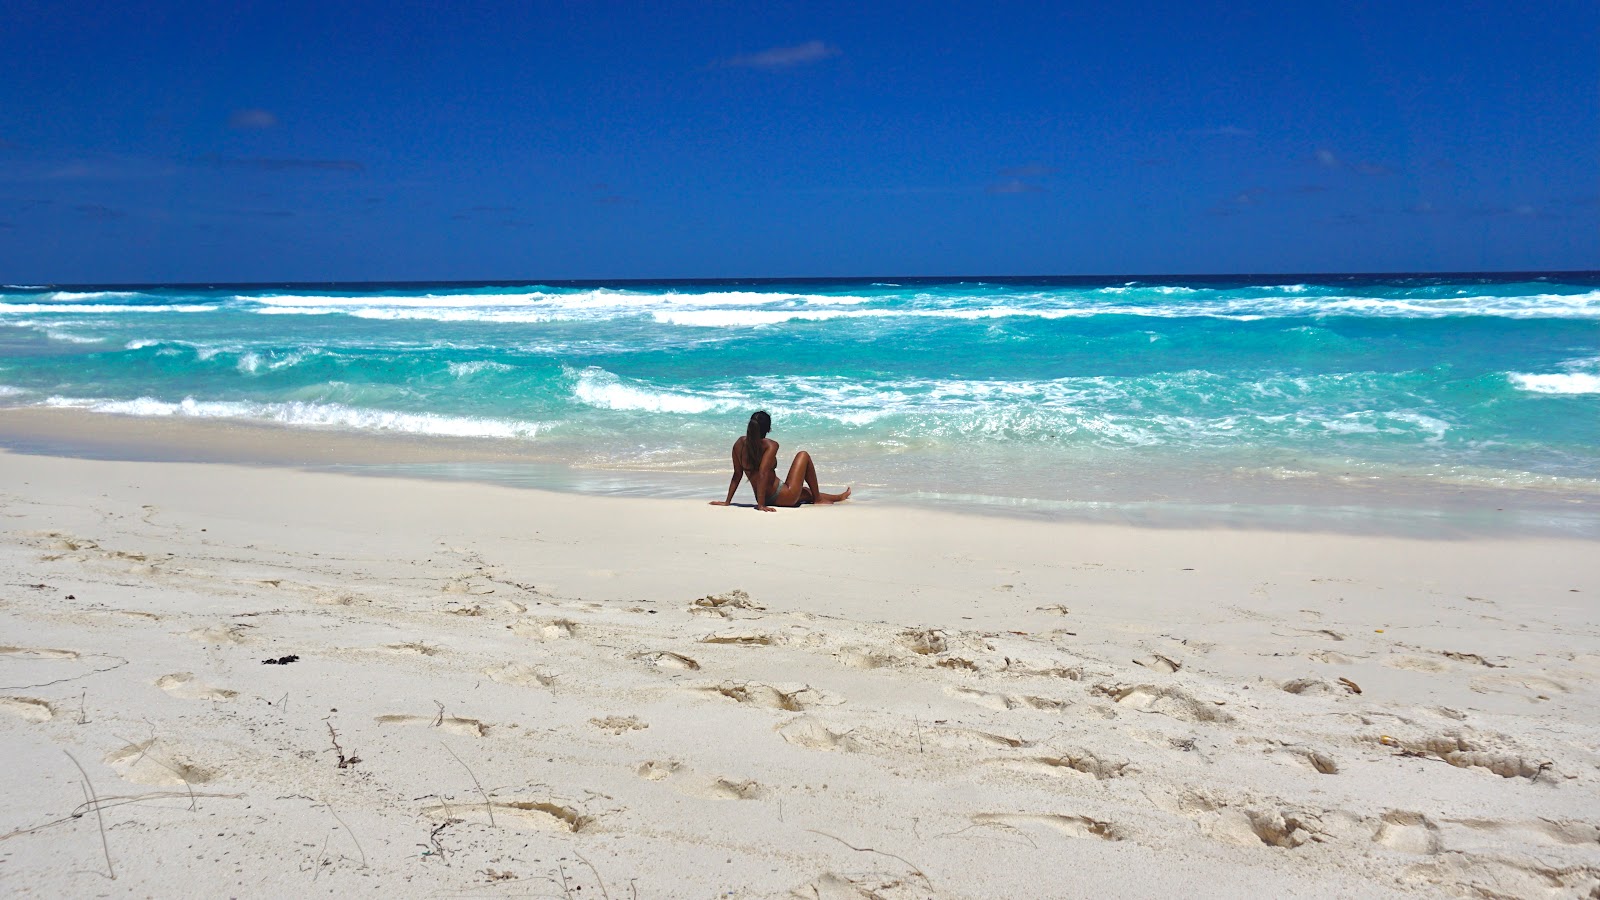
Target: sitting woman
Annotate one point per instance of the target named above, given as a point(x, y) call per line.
point(755, 456)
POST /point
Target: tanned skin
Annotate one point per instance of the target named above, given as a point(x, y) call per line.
point(800, 487)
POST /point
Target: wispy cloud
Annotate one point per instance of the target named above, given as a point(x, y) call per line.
point(784, 57)
point(1015, 186)
point(252, 120)
point(502, 216)
point(1347, 219)
point(1330, 160)
point(1024, 179)
point(286, 165)
point(110, 168)
point(1515, 211)
point(99, 213)
point(1248, 198)
point(1030, 170)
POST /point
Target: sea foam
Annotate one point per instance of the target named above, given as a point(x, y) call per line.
point(1565, 383)
point(301, 414)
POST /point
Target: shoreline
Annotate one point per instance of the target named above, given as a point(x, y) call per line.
point(1399, 506)
point(699, 700)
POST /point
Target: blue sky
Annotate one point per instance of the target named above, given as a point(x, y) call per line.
point(391, 141)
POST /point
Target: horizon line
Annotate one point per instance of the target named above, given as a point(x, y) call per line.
point(782, 279)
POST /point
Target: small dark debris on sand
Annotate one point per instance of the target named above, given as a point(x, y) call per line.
point(281, 661)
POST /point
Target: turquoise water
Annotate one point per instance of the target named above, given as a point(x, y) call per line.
point(1008, 389)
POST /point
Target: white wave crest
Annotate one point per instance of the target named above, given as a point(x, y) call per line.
point(473, 367)
point(532, 306)
point(69, 338)
point(35, 308)
point(70, 296)
point(603, 390)
point(314, 415)
point(1565, 383)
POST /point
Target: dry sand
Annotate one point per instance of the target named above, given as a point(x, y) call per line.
point(545, 695)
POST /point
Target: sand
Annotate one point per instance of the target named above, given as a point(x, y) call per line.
point(497, 692)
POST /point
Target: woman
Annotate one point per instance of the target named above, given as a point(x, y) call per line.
point(755, 456)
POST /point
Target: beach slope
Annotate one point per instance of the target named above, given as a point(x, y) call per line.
point(278, 681)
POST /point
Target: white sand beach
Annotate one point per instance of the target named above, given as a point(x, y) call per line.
point(494, 692)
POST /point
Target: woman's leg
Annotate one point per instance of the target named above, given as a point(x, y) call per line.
point(801, 485)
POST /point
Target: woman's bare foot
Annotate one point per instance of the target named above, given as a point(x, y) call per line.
point(825, 499)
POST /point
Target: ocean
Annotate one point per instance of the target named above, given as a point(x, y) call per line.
point(1307, 396)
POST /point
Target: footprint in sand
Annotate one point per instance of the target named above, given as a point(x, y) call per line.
point(1075, 763)
point(1331, 657)
point(659, 769)
point(666, 659)
point(38, 653)
point(1310, 686)
point(1407, 832)
point(149, 763)
point(1510, 682)
point(731, 789)
point(925, 641)
point(1272, 827)
point(1166, 701)
point(1159, 663)
point(1004, 702)
point(959, 738)
point(813, 734)
point(721, 605)
point(1509, 875)
point(521, 674)
point(864, 658)
point(545, 629)
point(452, 724)
point(1536, 831)
point(530, 815)
point(184, 684)
point(221, 633)
point(619, 724)
point(1416, 664)
point(742, 639)
point(715, 789)
point(860, 886)
point(754, 693)
point(409, 648)
point(28, 708)
point(1054, 824)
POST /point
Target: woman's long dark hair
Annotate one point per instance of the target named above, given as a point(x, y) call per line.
point(754, 434)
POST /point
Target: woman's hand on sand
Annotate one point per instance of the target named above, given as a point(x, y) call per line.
point(766, 509)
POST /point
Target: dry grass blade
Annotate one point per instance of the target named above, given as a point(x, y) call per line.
point(914, 868)
point(89, 788)
point(598, 880)
point(347, 830)
point(488, 807)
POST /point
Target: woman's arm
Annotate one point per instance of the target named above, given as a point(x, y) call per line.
point(733, 483)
